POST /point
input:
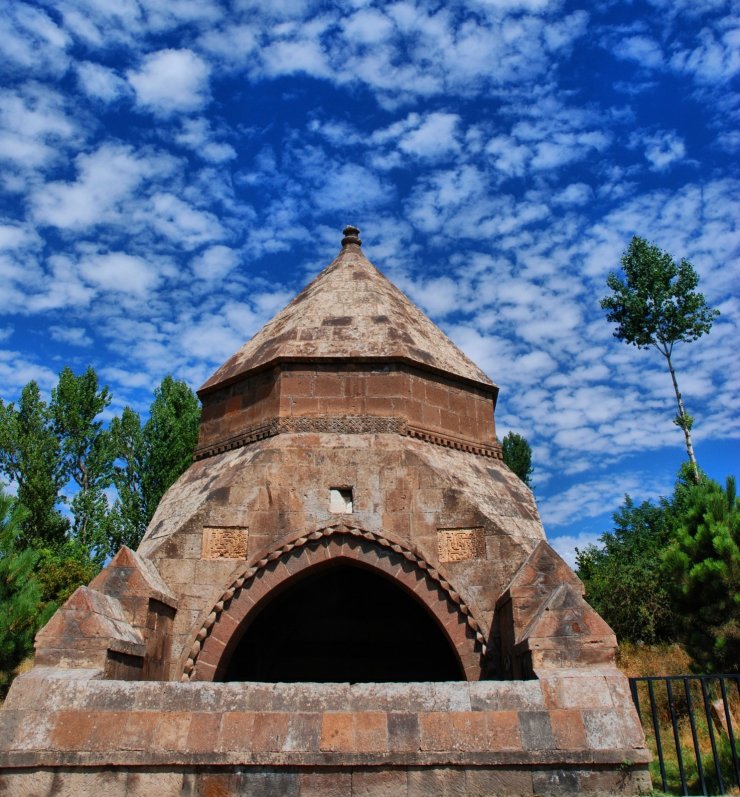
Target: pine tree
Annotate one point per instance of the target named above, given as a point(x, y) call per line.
point(703, 573)
point(20, 594)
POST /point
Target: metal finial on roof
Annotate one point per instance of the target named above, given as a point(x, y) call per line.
point(351, 236)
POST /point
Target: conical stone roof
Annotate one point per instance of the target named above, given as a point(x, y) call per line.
point(350, 311)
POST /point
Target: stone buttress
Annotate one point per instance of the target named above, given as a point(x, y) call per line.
point(348, 592)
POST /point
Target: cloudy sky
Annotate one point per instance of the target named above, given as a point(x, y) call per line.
point(173, 171)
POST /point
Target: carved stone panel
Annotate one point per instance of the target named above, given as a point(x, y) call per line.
point(224, 543)
point(459, 545)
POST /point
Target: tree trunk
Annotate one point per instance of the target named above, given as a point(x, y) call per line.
point(685, 423)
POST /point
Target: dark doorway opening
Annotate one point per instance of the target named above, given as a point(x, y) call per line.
point(343, 623)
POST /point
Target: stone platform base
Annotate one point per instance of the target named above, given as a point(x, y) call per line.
point(69, 733)
point(326, 782)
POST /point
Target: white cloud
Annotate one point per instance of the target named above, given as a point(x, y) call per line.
point(182, 223)
point(16, 371)
point(663, 149)
point(106, 179)
point(715, 59)
point(643, 49)
point(211, 340)
point(171, 81)
point(117, 271)
point(574, 194)
point(434, 137)
point(100, 82)
point(196, 134)
point(31, 40)
point(298, 55)
point(75, 336)
point(33, 122)
point(598, 496)
point(566, 544)
point(215, 263)
point(368, 26)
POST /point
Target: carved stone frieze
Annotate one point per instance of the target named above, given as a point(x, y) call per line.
point(224, 543)
point(460, 545)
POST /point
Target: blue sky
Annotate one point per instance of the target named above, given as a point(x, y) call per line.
point(173, 171)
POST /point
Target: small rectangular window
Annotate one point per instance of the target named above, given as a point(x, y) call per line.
point(340, 500)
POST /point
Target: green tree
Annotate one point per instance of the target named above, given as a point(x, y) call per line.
point(656, 305)
point(518, 456)
point(60, 570)
point(20, 594)
point(170, 436)
point(702, 566)
point(30, 455)
point(87, 453)
point(129, 518)
point(623, 576)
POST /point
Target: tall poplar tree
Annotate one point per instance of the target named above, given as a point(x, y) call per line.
point(655, 304)
point(30, 455)
point(129, 517)
point(150, 458)
point(87, 452)
point(170, 436)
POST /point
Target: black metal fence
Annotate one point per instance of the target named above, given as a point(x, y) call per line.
point(691, 723)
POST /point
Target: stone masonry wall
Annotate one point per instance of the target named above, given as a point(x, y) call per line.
point(404, 489)
point(562, 734)
point(304, 390)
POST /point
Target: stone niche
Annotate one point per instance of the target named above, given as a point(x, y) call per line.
point(347, 593)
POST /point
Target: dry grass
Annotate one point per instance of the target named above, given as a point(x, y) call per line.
point(640, 660)
point(645, 660)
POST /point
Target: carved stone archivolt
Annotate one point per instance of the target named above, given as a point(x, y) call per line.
point(243, 581)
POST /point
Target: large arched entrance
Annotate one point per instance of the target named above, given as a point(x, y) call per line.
point(338, 604)
point(342, 622)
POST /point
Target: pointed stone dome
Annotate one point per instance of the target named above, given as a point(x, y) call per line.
point(350, 311)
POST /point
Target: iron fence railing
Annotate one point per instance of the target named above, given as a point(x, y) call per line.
point(691, 722)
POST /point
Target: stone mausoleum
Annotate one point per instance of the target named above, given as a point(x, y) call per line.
point(347, 593)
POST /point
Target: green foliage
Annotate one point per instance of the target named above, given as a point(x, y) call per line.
point(151, 458)
point(129, 518)
point(45, 448)
point(87, 453)
point(703, 565)
point(20, 594)
point(30, 455)
point(518, 456)
point(61, 570)
point(623, 578)
point(170, 436)
point(656, 303)
point(672, 572)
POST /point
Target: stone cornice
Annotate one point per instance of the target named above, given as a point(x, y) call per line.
point(345, 424)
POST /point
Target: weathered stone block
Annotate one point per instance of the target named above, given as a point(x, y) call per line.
point(487, 782)
point(379, 782)
point(337, 732)
point(439, 781)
